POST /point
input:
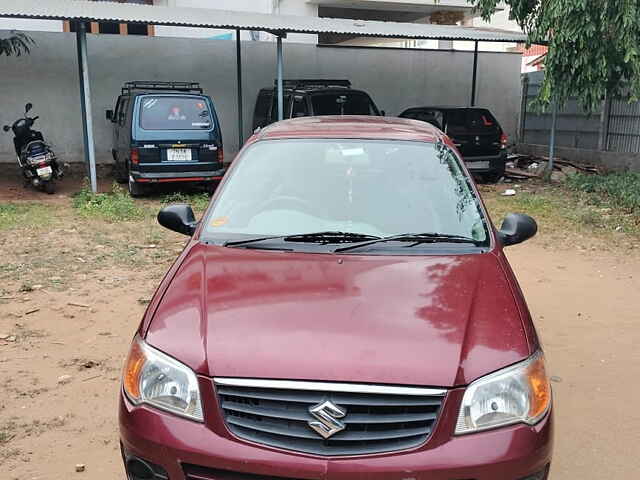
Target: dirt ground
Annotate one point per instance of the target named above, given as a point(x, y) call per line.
point(73, 290)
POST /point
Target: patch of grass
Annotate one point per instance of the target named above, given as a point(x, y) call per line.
point(116, 206)
point(619, 190)
point(14, 215)
point(198, 201)
point(560, 209)
point(543, 205)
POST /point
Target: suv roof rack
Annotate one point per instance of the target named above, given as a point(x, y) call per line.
point(192, 87)
point(314, 83)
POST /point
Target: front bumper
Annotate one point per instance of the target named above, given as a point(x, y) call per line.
point(187, 450)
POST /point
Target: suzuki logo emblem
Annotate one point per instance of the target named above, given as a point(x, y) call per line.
point(327, 413)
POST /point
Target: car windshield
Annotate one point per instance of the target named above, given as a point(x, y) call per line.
point(342, 103)
point(369, 187)
point(174, 113)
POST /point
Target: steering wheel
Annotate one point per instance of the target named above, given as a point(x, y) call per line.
point(282, 201)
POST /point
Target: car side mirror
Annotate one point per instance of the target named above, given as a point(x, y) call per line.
point(179, 218)
point(109, 115)
point(28, 107)
point(6, 128)
point(517, 228)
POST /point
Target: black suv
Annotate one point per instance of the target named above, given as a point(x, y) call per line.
point(476, 133)
point(165, 132)
point(306, 98)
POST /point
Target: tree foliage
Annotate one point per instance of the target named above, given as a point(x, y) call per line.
point(594, 46)
point(16, 44)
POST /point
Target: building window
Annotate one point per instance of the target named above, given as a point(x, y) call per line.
point(109, 27)
point(115, 28)
point(138, 29)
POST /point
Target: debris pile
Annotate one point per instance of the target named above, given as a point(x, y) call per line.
point(523, 167)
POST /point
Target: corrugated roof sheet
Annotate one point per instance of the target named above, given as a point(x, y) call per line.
point(204, 17)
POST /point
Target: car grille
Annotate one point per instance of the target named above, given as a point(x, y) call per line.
point(277, 414)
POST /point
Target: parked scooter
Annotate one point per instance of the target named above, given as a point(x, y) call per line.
point(36, 159)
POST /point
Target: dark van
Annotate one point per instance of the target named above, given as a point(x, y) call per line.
point(475, 131)
point(165, 132)
point(312, 97)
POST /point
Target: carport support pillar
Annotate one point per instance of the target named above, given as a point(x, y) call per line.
point(239, 78)
point(474, 78)
point(85, 104)
point(552, 140)
point(279, 80)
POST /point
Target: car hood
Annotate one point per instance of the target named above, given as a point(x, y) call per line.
point(410, 320)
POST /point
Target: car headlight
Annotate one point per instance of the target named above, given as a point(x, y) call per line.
point(156, 379)
point(517, 394)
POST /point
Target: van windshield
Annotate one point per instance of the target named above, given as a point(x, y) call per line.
point(373, 187)
point(342, 103)
point(174, 113)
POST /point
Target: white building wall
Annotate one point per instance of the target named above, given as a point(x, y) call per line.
point(499, 20)
point(284, 7)
point(31, 25)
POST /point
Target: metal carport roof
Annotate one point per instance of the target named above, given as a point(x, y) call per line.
point(100, 11)
point(210, 18)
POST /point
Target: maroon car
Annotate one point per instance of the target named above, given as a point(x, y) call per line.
point(343, 310)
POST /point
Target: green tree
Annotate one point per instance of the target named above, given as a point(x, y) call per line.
point(16, 44)
point(594, 46)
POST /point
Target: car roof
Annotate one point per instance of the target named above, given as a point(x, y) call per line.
point(352, 126)
point(444, 107)
point(312, 90)
point(166, 93)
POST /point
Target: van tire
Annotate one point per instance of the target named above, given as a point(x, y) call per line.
point(135, 189)
point(119, 170)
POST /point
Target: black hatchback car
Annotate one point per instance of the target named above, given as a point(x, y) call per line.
point(165, 132)
point(312, 97)
point(475, 131)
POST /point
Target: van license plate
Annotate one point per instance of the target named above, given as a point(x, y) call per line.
point(478, 165)
point(44, 171)
point(179, 155)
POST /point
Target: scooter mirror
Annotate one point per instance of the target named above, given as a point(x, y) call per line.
point(6, 128)
point(28, 107)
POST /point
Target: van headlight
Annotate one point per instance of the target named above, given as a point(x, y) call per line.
point(520, 393)
point(158, 380)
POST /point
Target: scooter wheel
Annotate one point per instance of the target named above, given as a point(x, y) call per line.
point(50, 188)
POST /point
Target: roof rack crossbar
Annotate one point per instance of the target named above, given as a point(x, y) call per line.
point(314, 83)
point(193, 87)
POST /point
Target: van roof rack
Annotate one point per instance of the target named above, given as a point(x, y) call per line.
point(191, 87)
point(314, 83)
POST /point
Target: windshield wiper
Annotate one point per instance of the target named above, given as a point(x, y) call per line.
point(415, 239)
point(316, 237)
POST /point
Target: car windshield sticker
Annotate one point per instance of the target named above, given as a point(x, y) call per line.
point(220, 221)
